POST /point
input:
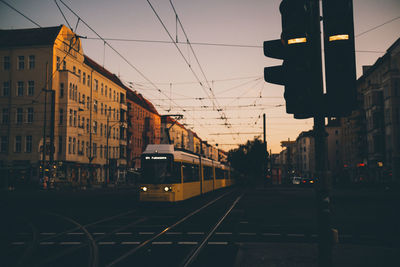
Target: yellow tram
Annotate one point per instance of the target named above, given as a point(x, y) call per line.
point(170, 175)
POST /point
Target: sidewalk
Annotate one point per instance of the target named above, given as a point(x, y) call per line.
point(305, 255)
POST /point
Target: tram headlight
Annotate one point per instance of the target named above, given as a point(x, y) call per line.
point(144, 189)
point(167, 188)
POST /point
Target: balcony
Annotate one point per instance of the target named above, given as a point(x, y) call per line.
point(123, 106)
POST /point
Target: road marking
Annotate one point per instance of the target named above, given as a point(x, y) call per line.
point(146, 233)
point(270, 234)
point(70, 243)
point(247, 233)
point(125, 233)
point(187, 243)
point(218, 243)
point(74, 233)
point(161, 243)
point(296, 235)
point(47, 243)
point(130, 243)
point(18, 243)
point(173, 233)
point(47, 233)
point(223, 233)
point(195, 233)
point(98, 233)
point(106, 243)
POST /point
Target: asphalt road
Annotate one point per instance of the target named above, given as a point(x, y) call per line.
point(96, 227)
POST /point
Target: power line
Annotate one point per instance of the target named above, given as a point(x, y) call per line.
point(376, 27)
point(19, 12)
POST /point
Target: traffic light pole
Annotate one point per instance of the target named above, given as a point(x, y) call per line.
point(322, 192)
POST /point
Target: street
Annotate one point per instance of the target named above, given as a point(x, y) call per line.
point(268, 224)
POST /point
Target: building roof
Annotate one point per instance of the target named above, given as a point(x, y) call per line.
point(379, 61)
point(29, 37)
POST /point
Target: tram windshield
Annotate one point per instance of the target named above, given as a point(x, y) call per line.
point(158, 170)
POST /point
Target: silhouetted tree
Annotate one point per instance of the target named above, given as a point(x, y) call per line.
point(249, 159)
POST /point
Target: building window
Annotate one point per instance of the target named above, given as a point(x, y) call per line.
point(73, 69)
point(70, 117)
point(95, 127)
point(95, 105)
point(88, 102)
point(21, 62)
point(84, 78)
point(88, 80)
point(31, 62)
point(69, 145)
point(4, 144)
point(101, 151)
point(61, 90)
point(58, 63)
point(94, 150)
point(60, 144)
point(96, 85)
point(5, 116)
point(87, 149)
point(29, 118)
point(6, 63)
point(20, 88)
point(28, 144)
point(73, 145)
point(64, 65)
point(101, 129)
point(102, 89)
point(105, 110)
point(61, 116)
point(18, 144)
point(19, 115)
point(6, 88)
point(110, 93)
point(87, 125)
point(74, 118)
point(31, 88)
point(101, 108)
point(79, 74)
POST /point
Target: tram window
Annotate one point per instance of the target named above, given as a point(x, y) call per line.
point(190, 172)
point(219, 174)
point(159, 172)
point(208, 175)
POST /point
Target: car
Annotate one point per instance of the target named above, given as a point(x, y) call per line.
point(296, 180)
point(307, 181)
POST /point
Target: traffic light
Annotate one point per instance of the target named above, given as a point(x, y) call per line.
point(339, 56)
point(300, 50)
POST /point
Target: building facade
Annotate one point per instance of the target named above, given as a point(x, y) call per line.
point(380, 87)
point(144, 127)
point(63, 115)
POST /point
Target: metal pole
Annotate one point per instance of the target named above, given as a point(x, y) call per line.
point(265, 148)
point(322, 190)
point(108, 152)
point(44, 128)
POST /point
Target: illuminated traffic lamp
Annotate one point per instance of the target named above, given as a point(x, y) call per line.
point(339, 56)
point(300, 50)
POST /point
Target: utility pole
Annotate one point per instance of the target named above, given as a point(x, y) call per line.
point(107, 148)
point(265, 166)
point(43, 164)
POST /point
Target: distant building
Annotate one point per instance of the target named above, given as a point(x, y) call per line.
point(305, 154)
point(173, 132)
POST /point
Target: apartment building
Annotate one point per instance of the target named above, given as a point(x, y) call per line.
point(144, 127)
point(380, 87)
point(62, 114)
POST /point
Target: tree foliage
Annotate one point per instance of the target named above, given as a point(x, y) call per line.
point(249, 159)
